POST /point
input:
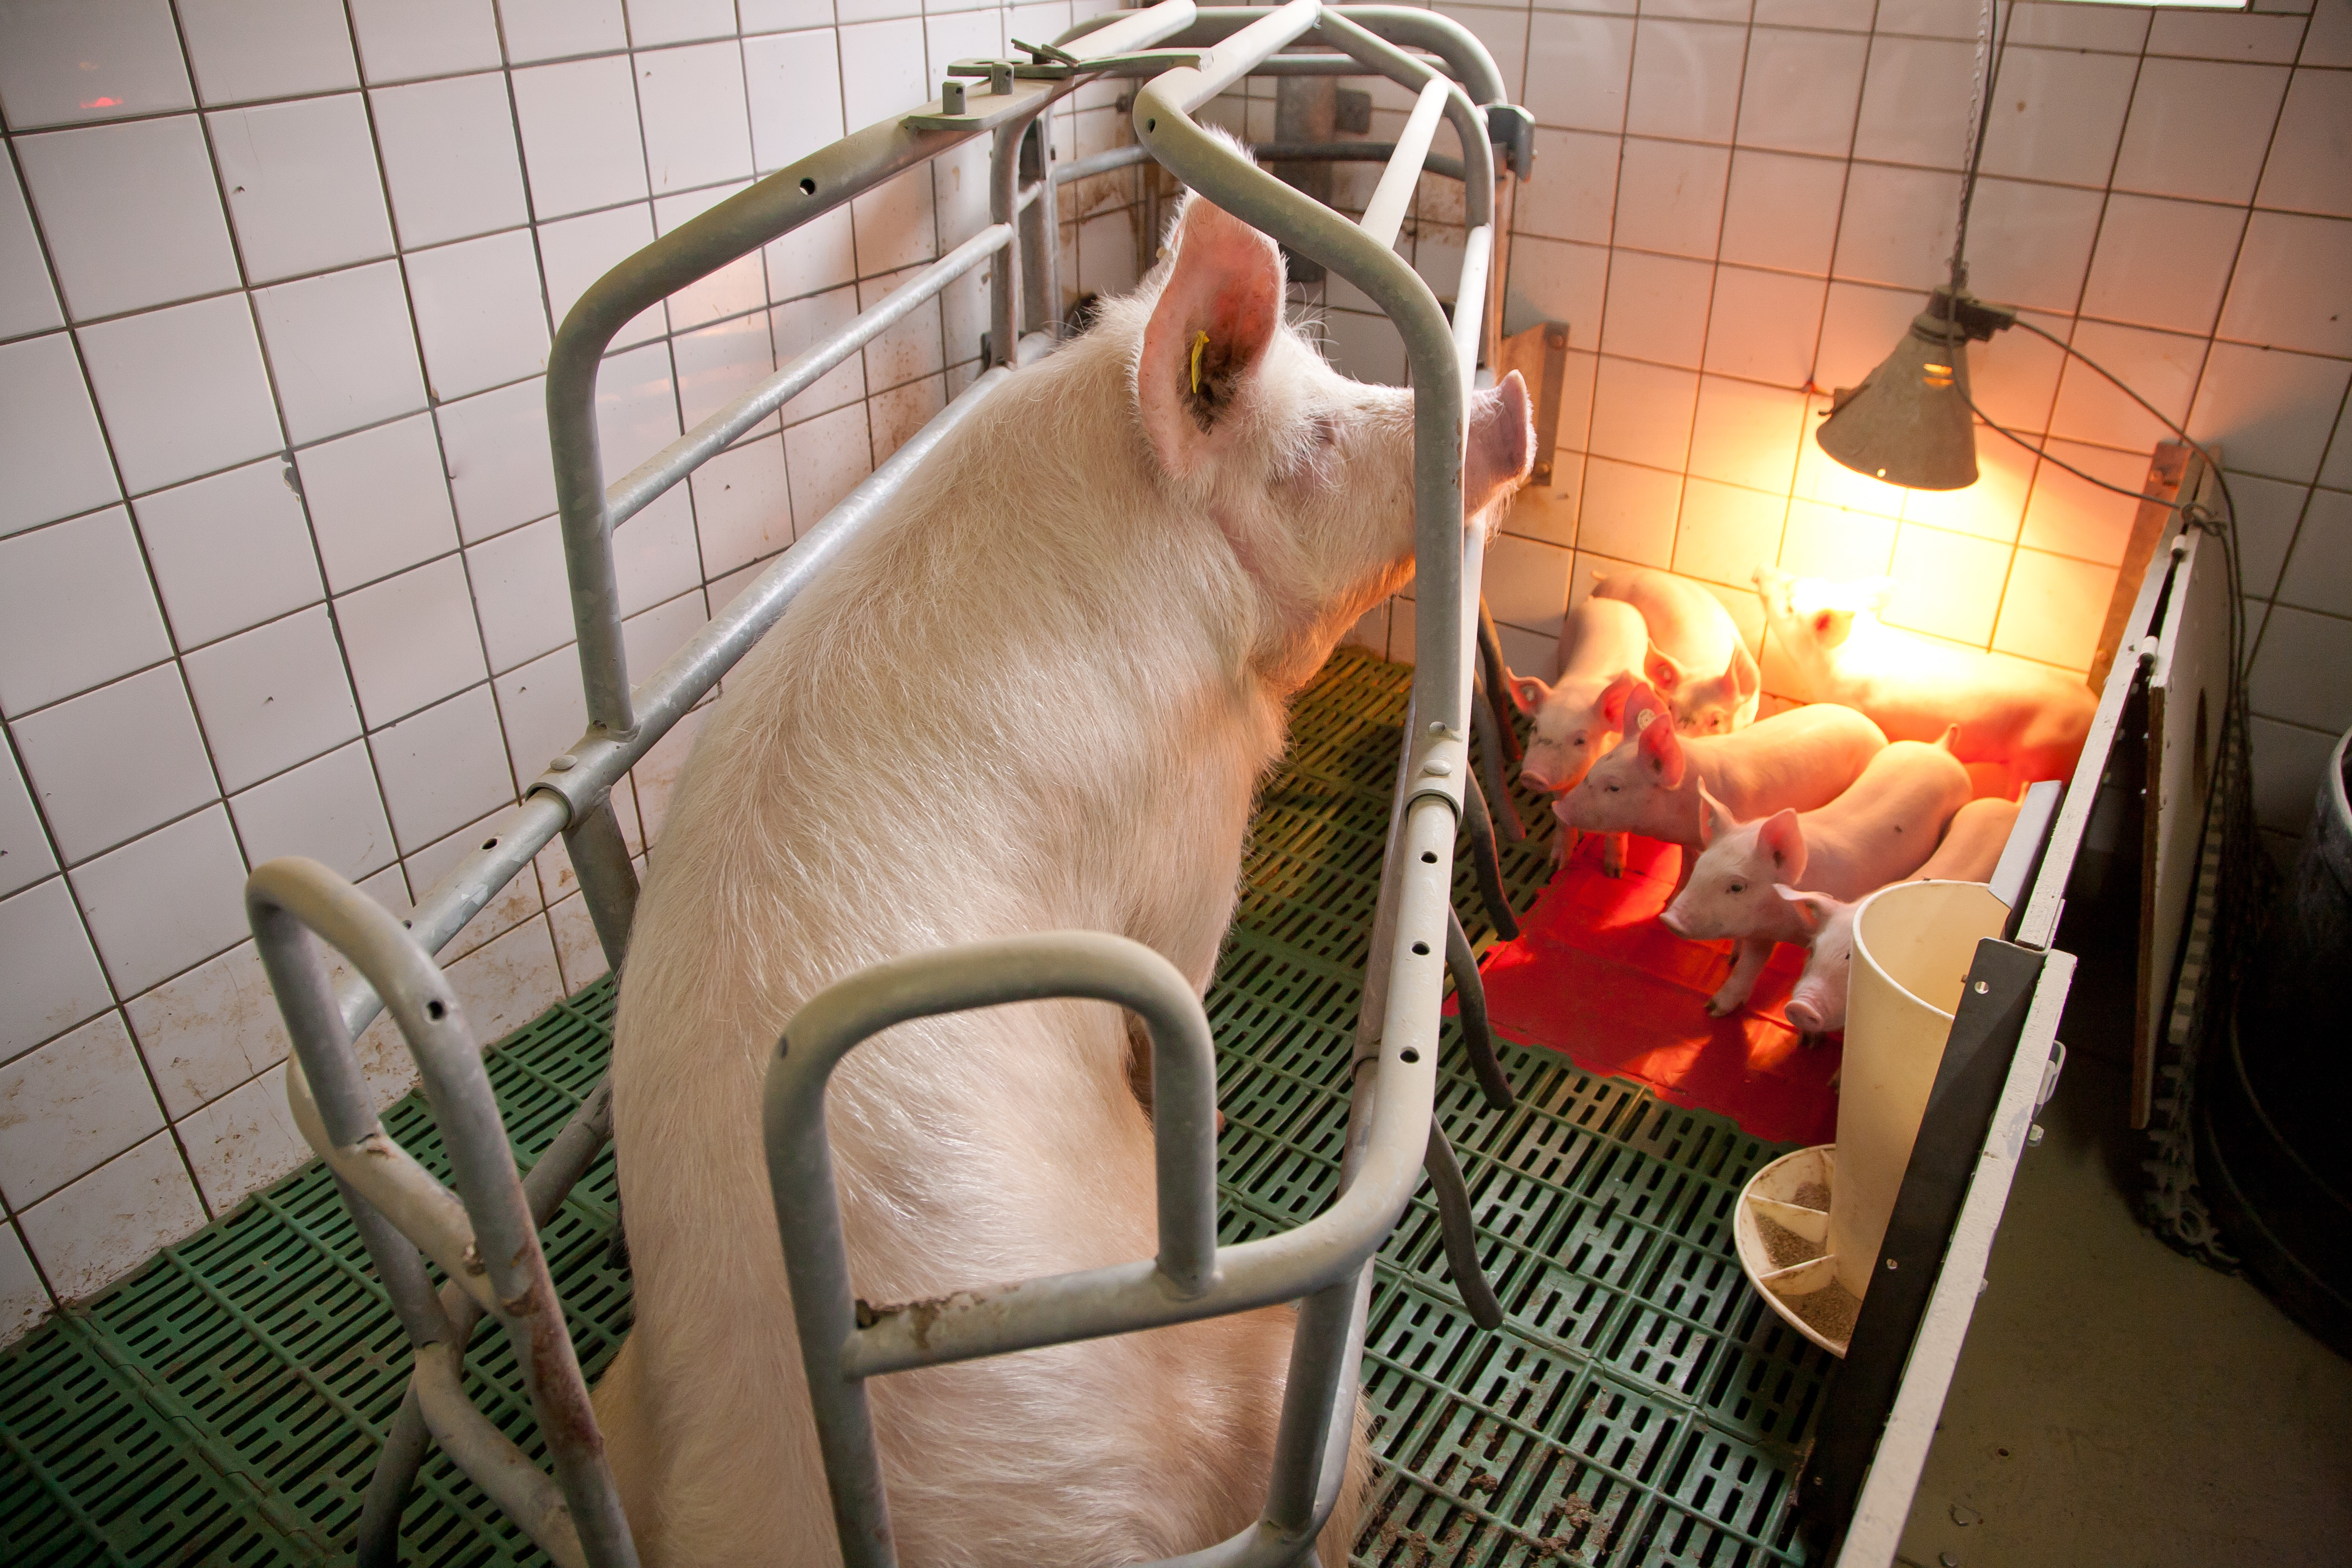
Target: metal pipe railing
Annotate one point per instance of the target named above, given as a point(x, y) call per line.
point(1400, 181)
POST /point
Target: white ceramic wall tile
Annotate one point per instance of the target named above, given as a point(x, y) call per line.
point(248, 49)
point(24, 1300)
point(697, 129)
point(521, 593)
point(796, 327)
point(2053, 609)
point(25, 855)
point(1725, 531)
point(2318, 574)
point(655, 556)
point(1801, 91)
point(655, 635)
point(1629, 513)
point(344, 350)
point(449, 158)
point(182, 391)
point(2061, 25)
point(2271, 410)
point(165, 902)
point(2162, 367)
point(680, 21)
point(401, 40)
point(576, 251)
point(494, 446)
point(70, 1107)
point(2199, 245)
point(738, 287)
point(2058, 114)
point(1686, 80)
point(244, 1141)
point(913, 348)
point(411, 639)
point(1657, 308)
point(1896, 228)
point(111, 764)
point(379, 502)
point(508, 982)
point(50, 440)
point(63, 63)
point(27, 302)
point(1577, 70)
point(722, 363)
point(655, 776)
point(229, 552)
point(577, 950)
point(2070, 516)
point(894, 225)
point(2310, 164)
point(541, 710)
point(1947, 584)
point(2199, 129)
point(2289, 762)
point(510, 905)
point(2030, 244)
point(302, 184)
point(52, 973)
point(328, 809)
point(1747, 435)
point(779, 15)
point(821, 254)
point(113, 1219)
point(1915, 101)
point(480, 311)
point(273, 697)
point(793, 86)
point(76, 610)
point(636, 409)
point(2215, 36)
point(2268, 514)
point(882, 70)
point(441, 768)
point(1764, 326)
point(2289, 287)
point(2303, 671)
point(131, 213)
point(580, 136)
point(1669, 197)
point(205, 1032)
point(551, 29)
point(824, 457)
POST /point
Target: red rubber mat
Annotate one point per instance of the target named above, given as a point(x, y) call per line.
point(1593, 974)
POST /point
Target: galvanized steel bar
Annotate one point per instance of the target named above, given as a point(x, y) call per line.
point(646, 483)
point(491, 1459)
point(1392, 197)
point(286, 901)
point(828, 1025)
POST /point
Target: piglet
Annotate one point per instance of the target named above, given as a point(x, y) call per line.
point(1971, 848)
point(1696, 660)
point(1601, 644)
point(2024, 718)
point(1881, 829)
point(1080, 621)
point(1800, 759)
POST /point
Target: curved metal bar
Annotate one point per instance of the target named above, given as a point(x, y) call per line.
point(1457, 1227)
point(287, 899)
point(1467, 59)
point(1470, 1000)
point(486, 1455)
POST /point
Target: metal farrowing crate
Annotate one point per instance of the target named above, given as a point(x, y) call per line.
point(483, 1237)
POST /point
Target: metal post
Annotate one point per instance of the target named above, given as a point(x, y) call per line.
point(1041, 231)
point(600, 857)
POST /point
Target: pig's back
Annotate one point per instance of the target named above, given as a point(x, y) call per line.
point(1800, 759)
point(1886, 825)
point(1689, 624)
point(1972, 844)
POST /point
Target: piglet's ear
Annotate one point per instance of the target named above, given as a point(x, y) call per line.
point(1812, 911)
point(1664, 672)
point(1529, 695)
point(1714, 821)
point(1784, 841)
point(1208, 335)
point(1614, 698)
point(1663, 750)
point(1743, 675)
point(1644, 707)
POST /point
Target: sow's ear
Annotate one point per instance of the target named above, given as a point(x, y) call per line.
point(1208, 335)
point(1502, 448)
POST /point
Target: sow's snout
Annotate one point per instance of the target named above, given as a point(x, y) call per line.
point(1502, 444)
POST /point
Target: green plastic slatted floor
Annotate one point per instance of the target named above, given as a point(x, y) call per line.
point(1639, 1406)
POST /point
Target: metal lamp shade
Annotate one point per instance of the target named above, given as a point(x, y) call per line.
point(1908, 422)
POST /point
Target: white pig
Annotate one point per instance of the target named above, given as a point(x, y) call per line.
point(1576, 716)
point(1696, 660)
point(1882, 828)
point(1650, 784)
point(1970, 849)
point(2024, 718)
point(1077, 627)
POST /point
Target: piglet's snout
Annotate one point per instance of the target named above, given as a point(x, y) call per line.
point(1502, 444)
point(1805, 1013)
point(1673, 922)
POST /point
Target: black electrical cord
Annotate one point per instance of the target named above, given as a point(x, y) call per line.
point(2240, 898)
point(2000, 47)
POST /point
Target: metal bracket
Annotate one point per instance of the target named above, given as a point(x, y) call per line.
point(1513, 129)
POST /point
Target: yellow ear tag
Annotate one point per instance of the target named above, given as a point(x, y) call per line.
point(1200, 344)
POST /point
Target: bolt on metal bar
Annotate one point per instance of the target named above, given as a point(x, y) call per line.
point(1384, 213)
